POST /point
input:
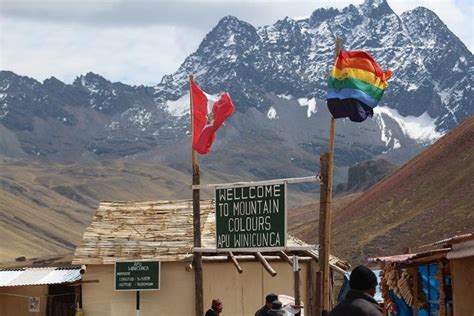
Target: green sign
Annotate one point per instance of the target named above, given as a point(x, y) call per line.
point(251, 218)
point(137, 275)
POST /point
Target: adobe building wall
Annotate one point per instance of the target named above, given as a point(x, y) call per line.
point(14, 300)
point(241, 294)
point(462, 271)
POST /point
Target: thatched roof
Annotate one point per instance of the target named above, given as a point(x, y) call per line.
point(158, 230)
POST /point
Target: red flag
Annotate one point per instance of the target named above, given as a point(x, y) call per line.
point(206, 124)
point(199, 110)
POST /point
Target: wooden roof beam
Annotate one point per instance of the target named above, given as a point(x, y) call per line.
point(332, 266)
point(312, 255)
point(265, 264)
point(285, 257)
point(236, 263)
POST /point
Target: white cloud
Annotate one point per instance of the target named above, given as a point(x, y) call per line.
point(130, 55)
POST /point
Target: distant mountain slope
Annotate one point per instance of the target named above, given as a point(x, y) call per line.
point(304, 221)
point(45, 206)
point(429, 198)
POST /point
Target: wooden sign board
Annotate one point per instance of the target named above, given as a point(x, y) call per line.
point(137, 275)
point(251, 218)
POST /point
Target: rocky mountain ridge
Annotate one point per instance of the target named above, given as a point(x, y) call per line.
point(365, 174)
point(276, 75)
point(292, 58)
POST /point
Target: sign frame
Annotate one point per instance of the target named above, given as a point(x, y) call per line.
point(133, 261)
point(255, 184)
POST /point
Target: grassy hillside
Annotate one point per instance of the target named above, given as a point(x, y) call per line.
point(304, 220)
point(45, 207)
point(429, 198)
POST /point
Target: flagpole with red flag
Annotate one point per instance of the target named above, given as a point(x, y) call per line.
point(197, 261)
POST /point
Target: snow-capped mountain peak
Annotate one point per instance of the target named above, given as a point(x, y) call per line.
point(292, 57)
point(276, 75)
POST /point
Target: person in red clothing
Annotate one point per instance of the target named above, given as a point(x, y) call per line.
point(216, 308)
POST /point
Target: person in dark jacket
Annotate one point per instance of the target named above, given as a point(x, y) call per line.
point(216, 308)
point(359, 300)
point(269, 299)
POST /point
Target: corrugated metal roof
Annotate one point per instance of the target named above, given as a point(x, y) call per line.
point(410, 256)
point(451, 240)
point(39, 276)
point(396, 258)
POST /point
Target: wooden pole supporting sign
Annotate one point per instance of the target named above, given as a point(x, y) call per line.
point(327, 160)
point(296, 276)
point(137, 299)
point(324, 218)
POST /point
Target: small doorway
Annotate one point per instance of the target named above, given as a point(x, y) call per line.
point(61, 300)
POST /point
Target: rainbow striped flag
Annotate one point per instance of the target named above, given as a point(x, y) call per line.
point(355, 86)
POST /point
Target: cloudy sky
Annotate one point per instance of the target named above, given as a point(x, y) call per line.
point(138, 41)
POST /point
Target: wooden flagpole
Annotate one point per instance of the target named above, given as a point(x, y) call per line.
point(198, 282)
point(327, 167)
point(332, 131)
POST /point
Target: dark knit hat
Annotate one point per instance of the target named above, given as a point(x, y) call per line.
point(216, 302)
point(271, 297)
point(362, 278)
point(277, 308)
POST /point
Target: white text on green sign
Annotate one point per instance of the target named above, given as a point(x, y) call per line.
point(137, 275)
point(251, 217)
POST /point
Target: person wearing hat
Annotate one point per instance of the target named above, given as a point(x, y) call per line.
point(268, 305)
point(277, 309)
point(359, 300)
point(216, 308)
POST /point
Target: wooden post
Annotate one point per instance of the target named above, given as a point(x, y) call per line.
point(327, 167)
point(312, 290)
point(324, 227)
point(296, 278)
point(382, 287)
point(415, 291)
point(197, 261)
point(137, 301)
point(78, 294)
point(332, 131)
point(319, 296)
point(332, 295)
